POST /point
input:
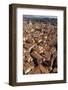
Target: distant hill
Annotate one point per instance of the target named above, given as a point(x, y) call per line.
point(51, 19)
